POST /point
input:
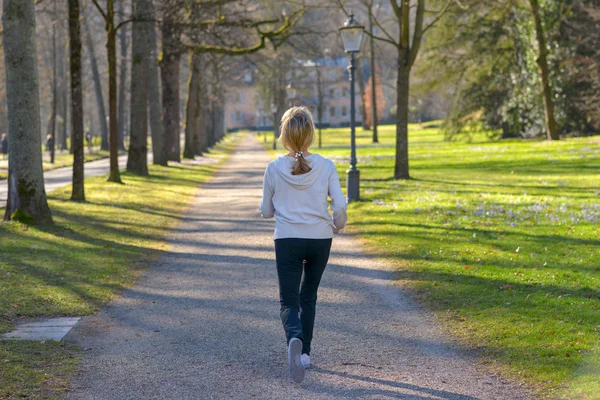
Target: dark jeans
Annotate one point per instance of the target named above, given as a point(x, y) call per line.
point(298, 296)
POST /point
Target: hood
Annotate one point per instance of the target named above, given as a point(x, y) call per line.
point(284, 164)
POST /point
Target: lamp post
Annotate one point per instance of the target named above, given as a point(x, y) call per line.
point(274, 111)
point(291, 93)
point(352, 35)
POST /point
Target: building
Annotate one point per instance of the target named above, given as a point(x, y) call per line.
point(245, 109)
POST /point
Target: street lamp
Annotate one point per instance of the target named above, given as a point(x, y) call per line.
point(291, 93)
point(274, 111)
point(352, 35)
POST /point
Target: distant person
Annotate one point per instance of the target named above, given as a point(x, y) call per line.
point(4, 146)
point(88, 139)
point(295, 191)
point(49, 143)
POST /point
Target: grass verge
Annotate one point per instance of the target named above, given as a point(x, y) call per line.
point(499, 238)
point(94, 251)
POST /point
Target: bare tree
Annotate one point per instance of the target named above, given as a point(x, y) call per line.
point(374, 120)
point(224, 25)
point(26, 194)
point(169, 68)
point(542, 61)
point(158, 140)
point(137, 162)
point(52, 119)
point(192, 108)
point(361, 89)
point(89, 42)
point(124, 46)
point(78, 193)
point(407, 51)
point(111, 49)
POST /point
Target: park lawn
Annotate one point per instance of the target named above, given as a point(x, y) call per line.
point(60, 161)
point(95, 250)
point(500, 238)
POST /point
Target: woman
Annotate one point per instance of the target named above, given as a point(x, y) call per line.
point(295, 191)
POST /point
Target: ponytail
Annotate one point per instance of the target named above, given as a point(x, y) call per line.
point(301, 166)
point(297, 134)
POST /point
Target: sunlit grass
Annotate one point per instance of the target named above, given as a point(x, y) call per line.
point(95, 250)
point(61, 159)
point(500, 238)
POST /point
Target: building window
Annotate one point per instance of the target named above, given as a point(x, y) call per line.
point(332, 75)
point(238, 115)
point(345, 92)
point(344, 111)
point(332, 111)
point(332, 93)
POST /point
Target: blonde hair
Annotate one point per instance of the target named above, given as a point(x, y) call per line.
point(297, 135)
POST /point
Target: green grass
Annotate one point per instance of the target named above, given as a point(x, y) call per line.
point(95, 250)
point(60, 160)
point(500, 238)
point(586, 383)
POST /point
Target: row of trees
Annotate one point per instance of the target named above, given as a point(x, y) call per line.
point(524, 67)
point(206, 30)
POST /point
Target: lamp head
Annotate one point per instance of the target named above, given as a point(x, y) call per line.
point(352, 35)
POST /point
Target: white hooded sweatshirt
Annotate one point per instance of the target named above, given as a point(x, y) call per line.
point(299, 202)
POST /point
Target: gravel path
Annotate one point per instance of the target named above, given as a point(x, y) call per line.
point(203, 322)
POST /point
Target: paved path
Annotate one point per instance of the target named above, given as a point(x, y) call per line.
point(203, 322)
point(61, 177)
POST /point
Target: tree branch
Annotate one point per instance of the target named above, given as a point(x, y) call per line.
point(386, 40)
point(397, 9)
point(391, 39)
point(278, 34)
point(440, 15)
point(416, 44)
point(104, 15)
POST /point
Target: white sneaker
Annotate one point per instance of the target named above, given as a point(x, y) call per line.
point(305, 361)
point(294, 360)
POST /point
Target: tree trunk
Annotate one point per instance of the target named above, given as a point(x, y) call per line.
point(52, 121)
point(220, 116)
point(26, 194)
point(209, 122)
point(122, 120)
point(401, 170)
point(111, 51)
point(320, 101)
point(542, 61)
point(374, 120)
point(78, 193)
point(137, 161)
point(170, 89)
point(97, 88)
point(361, 88)
point(200, 138)
point(62, 94)
point(158, 141)
point(191, 107)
